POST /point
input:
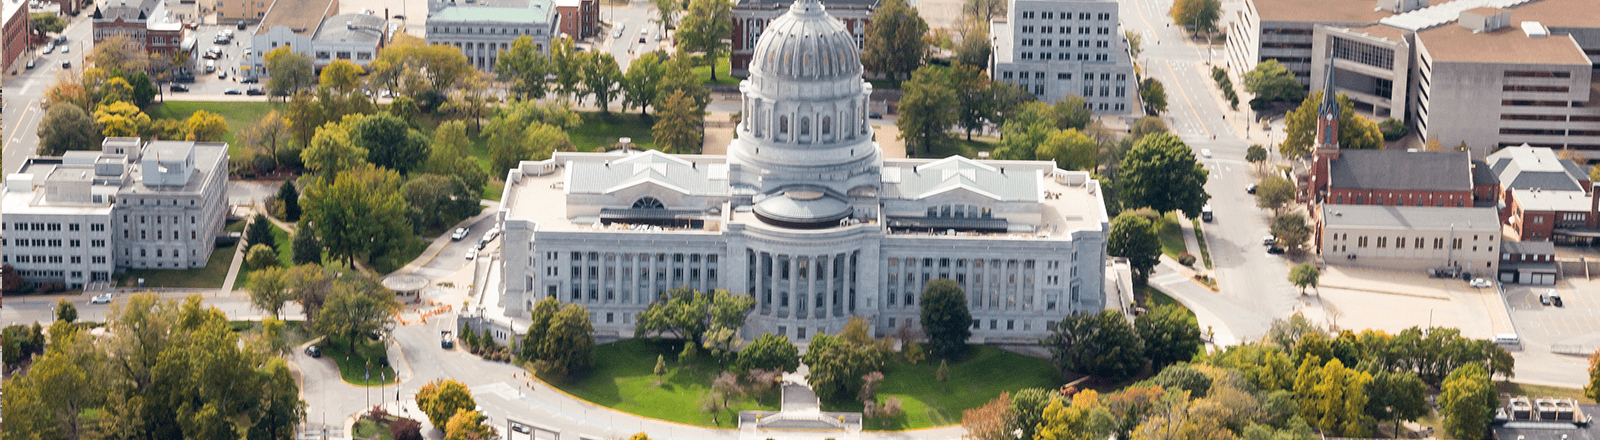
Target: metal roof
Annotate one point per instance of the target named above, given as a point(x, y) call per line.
point(1419, 218)
point(1528, 167)
point(647, 167)
point(351, 27)
point(536, 11)
point(1443, 13)
point(960, 173)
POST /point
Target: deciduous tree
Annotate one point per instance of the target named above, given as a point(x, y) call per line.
point(677, 127)
point(1070, 149)
point(1467, 401)
point(389, 142)
point(894, 45)
point(945, 318)
point(268, 134)
point(991, 421)
point(1333, 398)
point(1154, 95)
point(1270, 81)
point(1355, 131)
point(118, 52)
point(1102, 345)
point(331, 152)
point(837, 365)
point(1396, 396)
point(639, 85)
point(602, 78)
point(705, 27)
point(1197, 15)
point(1592, 391)
point(65, 311)
point(469, 425)
point(1161, 173)
point(1170, 335)
point(441, 399)
point(260, 257)
point(66, 127)
point(122, 119)
point(689, 313)
point(1275, 193)
point(1290, 230)
point(206, 126)
point(288, 72)
point(770, 352)
point(359, 213)
point(356, 311)
point(268, 290)
point(1304, 275)
point(927, 109)
point(568, 347)
point(1134, 238)
point(526, 68)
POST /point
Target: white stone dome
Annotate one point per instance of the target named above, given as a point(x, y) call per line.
point(806, 44)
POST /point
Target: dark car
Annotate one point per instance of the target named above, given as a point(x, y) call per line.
point(874, 115)
point(482, 243)
point(399, 17)
point(313, 351)
point(1544, 299)
point(241, 25)
point(255, 92)
point(66, 64)
point(249, 80)
point(232, 91)
point(178, 88)
point(1274, 249)
point(1250, 189)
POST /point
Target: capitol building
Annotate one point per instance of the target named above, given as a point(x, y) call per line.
point(806, 215)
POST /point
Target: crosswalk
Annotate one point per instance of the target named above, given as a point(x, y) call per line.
point(1169, 279)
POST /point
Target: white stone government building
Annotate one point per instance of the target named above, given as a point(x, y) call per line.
point(806, 215)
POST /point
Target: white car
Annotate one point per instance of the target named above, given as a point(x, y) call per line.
point(1205, 152)
point(491, 234)
point(459, 234)
point(1480, 283)
point(104, 298)
point(472, 253)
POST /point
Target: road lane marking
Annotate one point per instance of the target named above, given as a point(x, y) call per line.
point(1185, 92)
point(21, 120)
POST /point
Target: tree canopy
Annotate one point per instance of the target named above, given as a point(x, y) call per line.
point(927, 108)
point(289, 72)
point(1467, 401)
point(770, 352)
point(1161, 173)
point(1197, 15)
point(1134, 237)
point(360, 213)
point(1170, 333)
point(442, 399)
point(689, 313)
point(945, 318)
point(1355, 131)
point(65, 127)
point(705, 28)
point(1304, 275)
point(526, 68)
point(1101, 344)
point(894, 45)
point(1270, 81)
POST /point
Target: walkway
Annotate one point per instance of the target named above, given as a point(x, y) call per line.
point(1177, 281)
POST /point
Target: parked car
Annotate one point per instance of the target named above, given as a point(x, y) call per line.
point(313, 351)
point(493, 232)
point(66, 64)
point(472, 253)
point(1250, 189)
point(249, 80)
point(48, 49)
point(874, 115)
point(30, 64)
point(1205, 152)
point(459, 234)
point(1479, 283)
point(66, 48)
point(231, 91)
point(104, 298)
point(1205, 213)
point(482, 242)
point(255, 92)
point(222, 75)
point(1274, 250)
point(178, 88)
point(399, 16)
point(1555, 297)
point(446, 340)
point(241, 25)
point(1269, 240)
point(183, 78)
point(1544, 299)
point(61, 39)
point(641, 40)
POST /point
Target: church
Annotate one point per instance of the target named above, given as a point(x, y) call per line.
point(806, 215)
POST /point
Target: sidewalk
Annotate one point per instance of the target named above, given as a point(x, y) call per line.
point(1192, 244)
point(1177, 281)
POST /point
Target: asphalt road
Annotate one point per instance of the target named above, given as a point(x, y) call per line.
point(26, 88)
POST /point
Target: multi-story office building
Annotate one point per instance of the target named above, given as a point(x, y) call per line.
point(750, 17)
point(484, 28)
point(1491, 73)
point(146, 23)
point(805, 215)
point(78, 218)
point(1057, 48)
point(311, 28)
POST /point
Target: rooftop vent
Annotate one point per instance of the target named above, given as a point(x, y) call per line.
point(1481, 20)
point(1534, 29)
point(1401, 6)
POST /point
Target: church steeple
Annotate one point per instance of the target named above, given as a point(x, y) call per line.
point(1328, 115)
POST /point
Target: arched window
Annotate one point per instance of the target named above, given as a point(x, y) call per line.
point(805, 126)
point(783, 124)
point(648, 203)
point(827, 125)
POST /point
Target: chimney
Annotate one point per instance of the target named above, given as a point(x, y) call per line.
point(1594, 206)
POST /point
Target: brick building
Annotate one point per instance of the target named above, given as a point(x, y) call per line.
point(750, 17)
point(15, 31)
point(578, 18)
point(145, 22)
point(1528, 262)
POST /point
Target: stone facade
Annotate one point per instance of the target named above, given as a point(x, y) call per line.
point(750, 17)
point(1054, 49)
point(484, 29)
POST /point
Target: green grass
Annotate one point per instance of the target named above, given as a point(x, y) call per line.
point(623, 378)
point(353, 365)
point(294, 331)
point(238, 114)
point(285, 250)
point(1200, 238)
point(492, 190)
point(209, 277)
point(724, 67)
point(367, 429)
point(882, 84)
point(1155, 298)
point(599, 132)
point(1171, 236)
point(1536, 391)
point(959, 147)
point(979, 377)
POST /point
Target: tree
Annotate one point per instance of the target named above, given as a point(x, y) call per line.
point(1256, 154)
point(677, 124)
point(289, 72)
point(46, 22)
point(1134, 237)
point(269, 290)
point(1355, 131)
point(567, 66)
point(705, 27)
point(389, 142)
point(525, 67)
point(143, 89)
point(441, 399)
point(533, 342)
point(680, 76)
point(1270, 81)
point(525, 130)
point(120, 119)
point(975, 48)
point(66, 127)
point(117, 52)
point(65, 311)
point(1070, 149)
point(356, 312)
point(1170, 335)
point(894, 45)
point(1161, 173)
point(1102, 345)
point(1304, 275)
point(928, 107)
point(435, 202)
point(1592, 391)
point(689, 313)
point(261, 257)
point(666, 11)
point(1396, 396)
point(1333, 398)
point(771, 353)
point(469, 425)
point(975, 100)
point(1154, 94)
point(990, 421)
point(639, 84)
point(410, 67)
point(260, 232)
point(1467, 401)
point(1290, 230)
point(331, 152)
point(837, 364)
point(405, 429)
point(1275, 193)
point(206, 126)
point(569, 345)
point(473, 101)
point(602, 78)
point(307, 248)
point(269, 134)
point(1197, 15)
point(361, 212)
point(290, 197)
point(945, 318)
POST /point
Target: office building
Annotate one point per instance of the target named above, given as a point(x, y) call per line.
point(482, 29)
point(1053, 49)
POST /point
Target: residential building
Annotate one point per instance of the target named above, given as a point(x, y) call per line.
point(579, 19)
point(78, 218)
point(310, 28)
point(481, 29)
point(69, 7)
point(805, 215)
point(13, 32)
point(1053, 49)
point(750, 18)
point(146, 23)
point(1528, 262)
point(1410, 237)
point(1489, 73)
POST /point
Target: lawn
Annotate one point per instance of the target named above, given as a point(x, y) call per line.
point(599, 131)
point(1155, 298)
point(238, 114)
point(1536, 391)
point(353, 366)
point(959, 147)
point(981, 376)
point(209, 277)
point(294, 331)
point(623, 379)
point(367, 429)
point(1200, 238)
point(1171, 236)
point(285, 255)
point(724, 67)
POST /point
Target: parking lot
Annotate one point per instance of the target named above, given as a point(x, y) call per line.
point(1576, 322)
point(228, 62)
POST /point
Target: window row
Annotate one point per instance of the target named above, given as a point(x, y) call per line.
point(1052, 15)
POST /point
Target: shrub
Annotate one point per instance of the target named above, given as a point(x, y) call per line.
point(405, 429)
point(1186, 259)
point(1393, 129)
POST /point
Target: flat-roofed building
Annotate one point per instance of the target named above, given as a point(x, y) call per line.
point(579, 19)
point(482, 29)
point(1284, 30)
point(1411, 237)
point(78, 218)
point(1054, 49)
point(310, 28)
